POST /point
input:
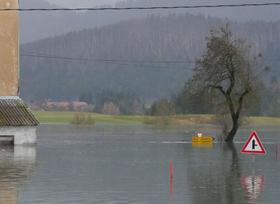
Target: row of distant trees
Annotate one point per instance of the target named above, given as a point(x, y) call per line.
point(265, 102)
point(114, 103)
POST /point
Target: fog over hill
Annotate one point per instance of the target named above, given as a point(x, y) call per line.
point(131, 56)
point(38, 25)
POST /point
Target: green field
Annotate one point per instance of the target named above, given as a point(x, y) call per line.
point(66, 118)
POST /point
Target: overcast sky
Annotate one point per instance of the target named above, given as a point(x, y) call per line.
point(268, 13)
point(82, 3)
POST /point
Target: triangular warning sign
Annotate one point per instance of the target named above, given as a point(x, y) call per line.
point(253, 145)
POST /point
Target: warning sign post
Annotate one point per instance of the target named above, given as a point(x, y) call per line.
point(253, 145)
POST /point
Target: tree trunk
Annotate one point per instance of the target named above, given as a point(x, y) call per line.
point(235, 115)
point(233, 130)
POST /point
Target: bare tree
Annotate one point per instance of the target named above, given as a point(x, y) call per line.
point(226, 71)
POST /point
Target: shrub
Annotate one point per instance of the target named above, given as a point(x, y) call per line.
point(82, 119)
point(162, 107)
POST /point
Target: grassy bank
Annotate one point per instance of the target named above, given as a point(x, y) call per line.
point(66, 118)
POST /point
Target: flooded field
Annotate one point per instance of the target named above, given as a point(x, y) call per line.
point(111, 164)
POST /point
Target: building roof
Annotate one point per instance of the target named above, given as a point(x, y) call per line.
point(14, 112)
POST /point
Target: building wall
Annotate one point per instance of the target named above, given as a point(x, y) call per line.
point(9, 54)
point(22, 135)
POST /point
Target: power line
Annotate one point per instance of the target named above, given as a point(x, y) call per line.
point(146, 8)
point(40, 55)
point(29, 54)
point(134, 63)
point(169, 64)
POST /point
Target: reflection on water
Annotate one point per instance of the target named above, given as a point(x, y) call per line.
point(197, 145)
point(16, 165)
point(220, 179)
point(253, 186)
point(131, 164)
point(217, 179)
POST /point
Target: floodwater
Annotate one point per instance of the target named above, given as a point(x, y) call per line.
point(118, 164)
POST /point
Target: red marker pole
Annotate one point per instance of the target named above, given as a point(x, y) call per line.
point(171, 177)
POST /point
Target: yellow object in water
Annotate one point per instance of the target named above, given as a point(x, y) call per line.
point(202, 140)
point(203, 145)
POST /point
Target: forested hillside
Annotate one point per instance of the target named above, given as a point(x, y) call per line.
point(151, 58)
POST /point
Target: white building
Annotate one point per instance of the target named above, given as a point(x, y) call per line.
point(17, 123)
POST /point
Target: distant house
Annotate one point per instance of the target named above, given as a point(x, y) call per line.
point(66, 105)
point(53, 105)
point(17, 123)
point(79, 105)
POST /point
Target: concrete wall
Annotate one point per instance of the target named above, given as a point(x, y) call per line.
point(22, 135)
point(9, 54)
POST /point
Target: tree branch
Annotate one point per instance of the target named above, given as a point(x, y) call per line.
point(228, 99)
point(231, 69)
point(219, 88)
